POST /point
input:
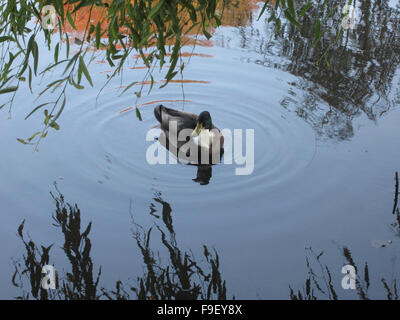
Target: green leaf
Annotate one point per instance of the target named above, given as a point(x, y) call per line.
point(30, 79)
point(47, 117)
point(98, 35)
point(291, 8)
point(70, 20)
point(317, 33)
point(151, 84)
point(327, 61)
point(278, 24)
point(85, 70)
point(35, 57)
point(61, 109)
point(207, 34)
point(22, 141)
point(54, 83)
point(54, 125)
point(291, 19)
point(77, 86)
point(68, 46)
point(30, 45)
point(4, 38)
point(33, 136)
point(129, 86)
point(71, 61)
point(156, 8)
point(138, 115)
point(8, 89)
point(56, 51)
point(36, 109)
point(305, 9)
point(263, 9)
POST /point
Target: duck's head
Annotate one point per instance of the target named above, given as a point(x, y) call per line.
point(203, 122)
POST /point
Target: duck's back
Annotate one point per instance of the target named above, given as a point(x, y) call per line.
point(185, 120)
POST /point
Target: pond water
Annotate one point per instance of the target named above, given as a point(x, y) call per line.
point(326, 149)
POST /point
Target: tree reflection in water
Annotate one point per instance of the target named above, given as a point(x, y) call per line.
point(396, 210)
point(319, 283)
point(181, 278)
point(361, 76)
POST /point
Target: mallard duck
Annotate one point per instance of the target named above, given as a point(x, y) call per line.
point(204, 134)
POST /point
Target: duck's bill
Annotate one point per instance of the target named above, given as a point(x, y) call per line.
point(197, 130)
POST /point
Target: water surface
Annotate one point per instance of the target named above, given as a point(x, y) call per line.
point(326, 149)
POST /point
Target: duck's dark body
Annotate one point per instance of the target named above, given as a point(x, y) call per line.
point(185, 120)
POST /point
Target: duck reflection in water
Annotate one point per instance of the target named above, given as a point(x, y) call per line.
point(203, 143)
point(204, 174)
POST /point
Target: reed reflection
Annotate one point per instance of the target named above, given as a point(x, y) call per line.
point(321, 282)
point(179, 277)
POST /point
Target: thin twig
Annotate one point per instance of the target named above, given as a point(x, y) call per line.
point(396, 192)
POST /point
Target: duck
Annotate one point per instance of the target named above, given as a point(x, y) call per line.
point(201, 132)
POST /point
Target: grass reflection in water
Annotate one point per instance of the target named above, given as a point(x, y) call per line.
point(180, 278)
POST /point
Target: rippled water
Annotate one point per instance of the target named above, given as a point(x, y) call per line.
point(326, 149)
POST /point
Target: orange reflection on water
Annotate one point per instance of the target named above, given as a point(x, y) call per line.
point(235, 13)
point(150, 103)
point(188, 81)
point(190, 54)
point(99, 15)
point(133, 68)
point(183, 54)
point(142, 67)
point(148, 82)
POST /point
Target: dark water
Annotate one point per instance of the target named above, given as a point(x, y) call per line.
point(326, 149)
